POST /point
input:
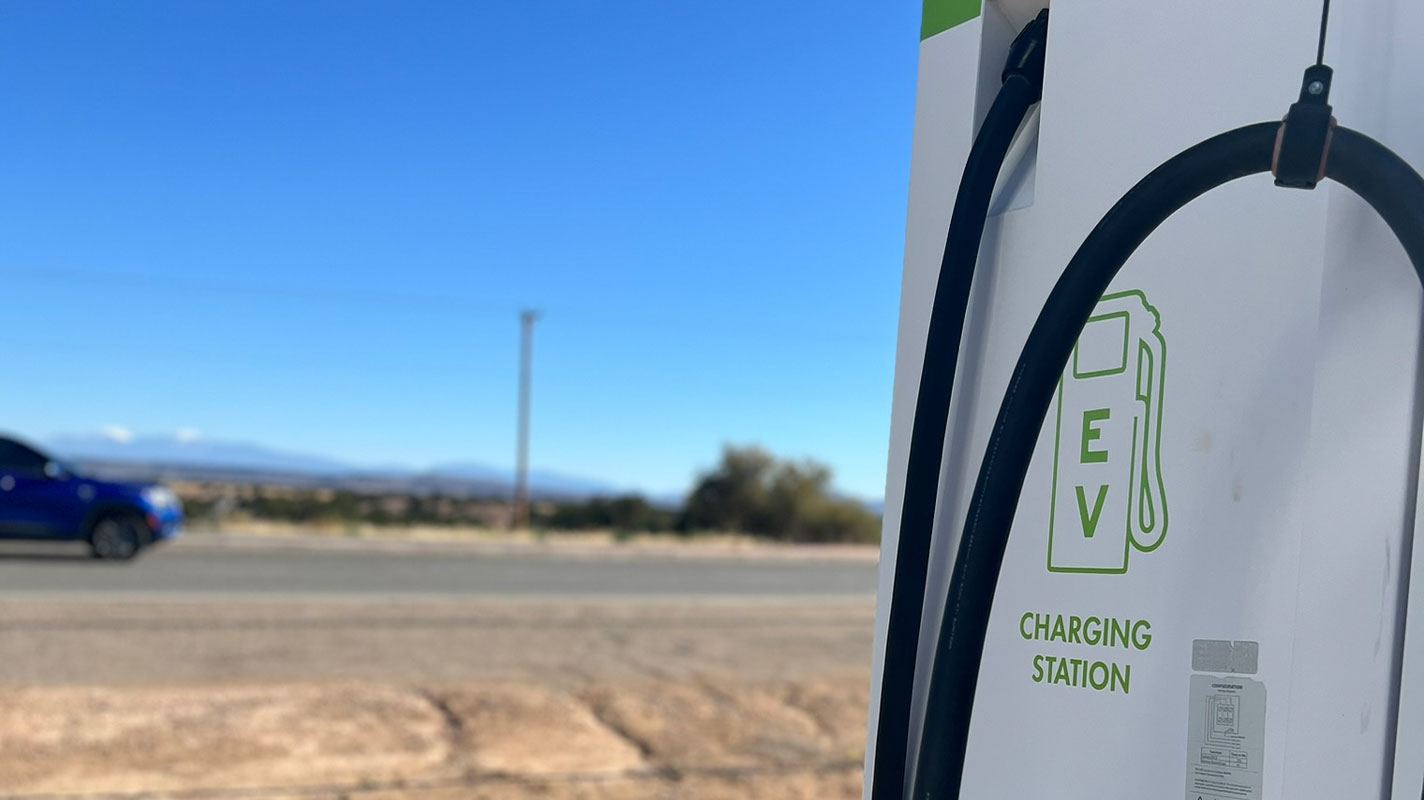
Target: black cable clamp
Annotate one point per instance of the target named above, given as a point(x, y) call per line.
point(1303, 142)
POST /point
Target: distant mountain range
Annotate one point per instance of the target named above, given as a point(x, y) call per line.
point(199, 458)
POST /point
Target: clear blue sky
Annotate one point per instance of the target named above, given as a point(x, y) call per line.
point(310, 225)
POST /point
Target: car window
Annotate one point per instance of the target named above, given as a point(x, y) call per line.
point(15, 457)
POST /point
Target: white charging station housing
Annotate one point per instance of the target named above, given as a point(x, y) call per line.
point(1205, 591)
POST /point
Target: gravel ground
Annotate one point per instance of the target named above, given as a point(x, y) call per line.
point(429, 700)
point(708, 738)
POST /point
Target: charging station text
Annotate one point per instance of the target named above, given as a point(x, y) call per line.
point(1090, 631)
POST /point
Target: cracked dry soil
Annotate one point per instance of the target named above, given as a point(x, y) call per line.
point(705, 738)
point(287, 699)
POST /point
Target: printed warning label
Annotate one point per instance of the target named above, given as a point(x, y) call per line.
point(1226, 738)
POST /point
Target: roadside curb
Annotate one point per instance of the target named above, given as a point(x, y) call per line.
point(208, 542)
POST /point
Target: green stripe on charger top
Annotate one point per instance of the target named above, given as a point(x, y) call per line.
point(941, 15)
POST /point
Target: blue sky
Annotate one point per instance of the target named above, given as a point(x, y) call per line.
point(311, 225)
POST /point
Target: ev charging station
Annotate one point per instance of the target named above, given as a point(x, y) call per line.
point(1205, 589)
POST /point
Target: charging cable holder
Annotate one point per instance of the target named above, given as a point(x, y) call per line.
point(1303, 142)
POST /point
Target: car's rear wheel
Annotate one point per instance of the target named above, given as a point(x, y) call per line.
point(117, 537)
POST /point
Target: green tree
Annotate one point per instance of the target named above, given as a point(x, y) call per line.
point(733, 495)
point(750, 491)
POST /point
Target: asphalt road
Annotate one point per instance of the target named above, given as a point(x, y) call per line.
point(179, 571)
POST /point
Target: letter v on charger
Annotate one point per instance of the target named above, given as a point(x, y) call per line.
point(1108, 493)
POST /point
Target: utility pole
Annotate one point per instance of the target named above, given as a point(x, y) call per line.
point(527, 318)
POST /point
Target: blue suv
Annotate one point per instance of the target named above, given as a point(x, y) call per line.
point(42, 498)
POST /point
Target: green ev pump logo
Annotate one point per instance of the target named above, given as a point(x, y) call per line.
point(1108, 497)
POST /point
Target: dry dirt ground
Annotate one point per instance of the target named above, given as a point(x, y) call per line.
point(432, 700)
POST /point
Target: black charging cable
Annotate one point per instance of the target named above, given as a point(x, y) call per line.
point(1304, 149)
point(1021, 89)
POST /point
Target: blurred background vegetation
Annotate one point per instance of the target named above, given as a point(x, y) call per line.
point(749, 491)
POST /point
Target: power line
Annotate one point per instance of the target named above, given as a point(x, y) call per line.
point(326, 294)
point(605, 317)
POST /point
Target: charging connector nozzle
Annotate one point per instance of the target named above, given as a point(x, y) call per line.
point(1026, 54)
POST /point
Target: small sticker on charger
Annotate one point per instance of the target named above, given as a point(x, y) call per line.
point(1220, 655)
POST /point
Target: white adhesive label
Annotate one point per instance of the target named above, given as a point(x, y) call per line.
point(1226, 738)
